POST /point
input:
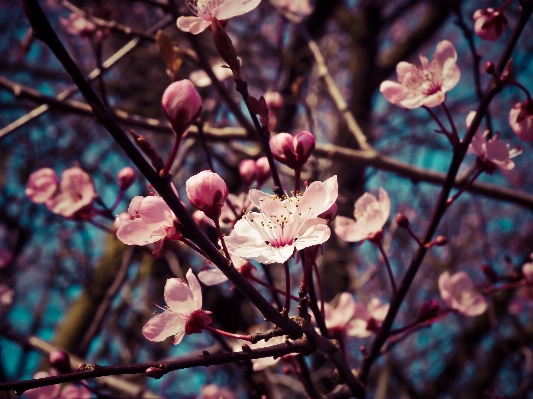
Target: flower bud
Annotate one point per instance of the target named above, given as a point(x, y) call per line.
point(42, 185)
point(282, 146)
point(489, 67)
point(402, 221)
point(60, 361)
point(375, 237)
point(429, 310)
point(527, 271)
point(248, 171)
point(489, 24)
point(155, 372)
point(440, 241)
point(263, 170)
point(489, 273)
point(182, 105)
point(207, 192)
point(521, 120)
point(126, 177)
point(274, 100)
point(304, 145)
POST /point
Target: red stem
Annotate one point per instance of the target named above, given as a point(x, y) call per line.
point(173, 153)
point(389, 270)
point(221, 236)
point(228, 334)
point(465, 187)
point(193, 246)
point(287, 307)
point(261, 282)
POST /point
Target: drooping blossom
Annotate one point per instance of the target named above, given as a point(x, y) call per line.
point(283, 224)
point(77, 25)
point(213, 275)
point(521, 120)
point(367, 320)
point(70, 391)
point(76, 195)
point(126, 177)
point(292, 151)
point(294, 10)
point(492, 153)
point(183, 314)
point(338, 317)
point(207, 191)
point(148, 220)
point(42, 185)
point(489, 24)
point(182, 105)
point(457, 291)
point(213, 391)
point(370, 213)
point(205, 10)
point(425, 85)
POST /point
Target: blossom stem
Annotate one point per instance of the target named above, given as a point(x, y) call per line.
point(248, 337)
point(200, 125)
point(465, 187)
point(450, 119)
point(417, 324)
point(507, 286)
point(221, 236)
point(387, 263)
point(266, 285)
point(102, 227)
point(521, 87)
point(442, 128)
point(287, 307)
point(172, 156)
point(196, 248)
point(414, 236)
point(504, 6)
point(320, 287)
point(120, 196)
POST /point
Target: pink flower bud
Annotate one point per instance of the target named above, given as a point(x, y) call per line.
point(274, 100)
point(304, 145)
point(489, 24)
point(42, 185)
point(402, 221)
point(207, 192)
point(428, 310)
point(263, 170)
point(126, 177)
point(282, 149)
point(60, 361)
point(182, 105)
point(248, 171)
point(527, 271)
point(521, 120)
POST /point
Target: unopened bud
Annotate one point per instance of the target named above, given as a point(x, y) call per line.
point(225, 48)
point(489, 273)
point(60, 360)
point(489, 67)
point(155, 372)
point(376, 237)
point(182, 105)
point(429, 310)
point(126, 177)
point(441, 241)
point(402, 221)
point(263, 170)
point(507, 71)
point(248, 171)
point(304, 145)
point(207, 191)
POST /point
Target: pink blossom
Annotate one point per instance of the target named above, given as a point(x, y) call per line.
point(77, 25)
point(457, 292)
point(207, 191)
point(6, 256)
point(489, 24)
point(263, 170)
point(212, 391)
point(202, 220)
point(283, 224)
point(527, 271)
point(76, 194)
point(205, 10)
point(274, 100)
point(42, 185)
point(149, 220)
point(337, 318)
point(370, 214)
point(248, 171)
point(213, 276)
point(521, 120)
point(425, 85)
point(183, 314)
point(126, 177)
point(182, 105)
point(367, 320)
point(292, 151)
point(493, 153)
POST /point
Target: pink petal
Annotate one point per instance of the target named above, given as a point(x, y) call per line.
point(159, 327)
point(403, 68)
point(312, 201)
point(346, 307)
point(245, 247)
point(47, 392)
point(476, 307)
point(196, 28)
point(74, 392)
point(394, 92)
point(194, 285)
point(384, 202)
point(434, 99)
point(244, 228)
point(212, 276)
point(349, 230)
point(377, 310)
point(497, 151)
point(461, 282)
point(444, 51)
point(332, 192)
point(277, 254)
point(155, 211)
point(451, 74)
point(363, 204)
point(184, 23)
point(233, 8)
point(136, 232)
point(178, 295)
point(445, 288)
point(179, 336)
point(316, 235)
point(135, 204)
point(357, 328)
point(256, 195)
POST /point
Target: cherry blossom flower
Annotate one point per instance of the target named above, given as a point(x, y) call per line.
point(283, 224)
point(213, 275)
point(182, 105)
point(367, 320)
point(489, 24)
point(337, 318)
point(425, 85)
point(148, 220)
point(126, 177)
point(521, 120)
point(205, 10)
point(207, 191)
point(183, 314)
point(493, 153)
point(371, 215)
point(42, 185)
point(213, 391)
point(457, 292)
point(292, 151)
point(76, 195)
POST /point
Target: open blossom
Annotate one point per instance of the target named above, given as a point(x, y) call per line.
point(370, 213)
point(182, 105)
point(494, 153)
point(42, 185)
point(337, 318)
point(205, 10)
point(489, 24)
point(207, 191)
point(76, 194)
point(425, 85)
point(183, 315)
point(457, 292)
point(213, 275)
point(148, 220)
point(283, 224)
point(521, 120)
point(213, 391)
point(292, 151)
point(367, 320)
